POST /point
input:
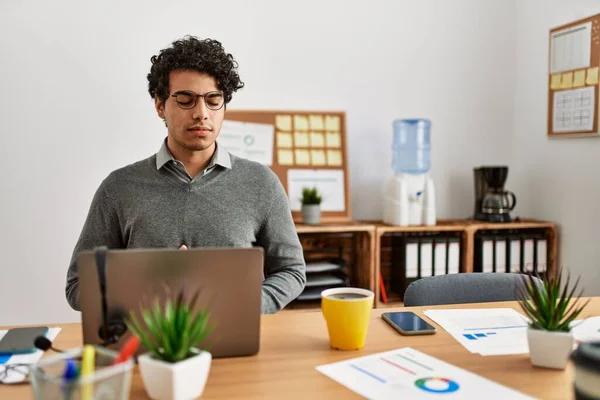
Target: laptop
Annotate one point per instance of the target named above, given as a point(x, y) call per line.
point(230, 281)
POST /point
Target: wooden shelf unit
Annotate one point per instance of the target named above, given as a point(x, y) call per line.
point(363, 243)
point(467, 229)
point(354, 241)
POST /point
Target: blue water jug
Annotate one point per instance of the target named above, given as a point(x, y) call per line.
point(410, 148)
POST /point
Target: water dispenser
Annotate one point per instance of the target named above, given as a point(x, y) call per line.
point(409, 196)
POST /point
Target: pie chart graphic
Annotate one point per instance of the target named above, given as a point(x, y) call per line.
point(435, 384)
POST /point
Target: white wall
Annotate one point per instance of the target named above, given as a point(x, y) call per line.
point(554, 179)
point(74, 103)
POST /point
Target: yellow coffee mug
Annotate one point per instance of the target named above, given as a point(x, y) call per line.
point(347, 312)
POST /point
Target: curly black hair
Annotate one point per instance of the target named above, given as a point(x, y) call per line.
point(207, 56)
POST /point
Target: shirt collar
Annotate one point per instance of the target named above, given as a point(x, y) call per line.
point(221, 157)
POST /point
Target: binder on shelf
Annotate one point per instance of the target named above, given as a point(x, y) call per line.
point(484, 254)
point(411, 257)
point(421, 256)
point(511, 252)
point(406, 267)
point(541, 255)
point(500, 254)
point(487, 254)
point(426, 257)
point(440, 266)
point(514, 253)
point(453, 257)
point(528, 260)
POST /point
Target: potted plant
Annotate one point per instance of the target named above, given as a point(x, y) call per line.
point(311, 205)
point(176, 367)
point(551, 306)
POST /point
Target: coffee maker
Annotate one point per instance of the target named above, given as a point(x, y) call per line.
point(492, 202)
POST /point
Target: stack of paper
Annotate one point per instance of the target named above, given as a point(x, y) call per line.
point(409, 374)
point(18, 374)
point(586, 330)
point(492, 331)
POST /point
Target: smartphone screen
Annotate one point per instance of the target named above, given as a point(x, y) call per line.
point(20, 340)
point(408, 322)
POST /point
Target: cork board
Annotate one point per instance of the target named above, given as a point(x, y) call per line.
point(303, 148)
point(573, 69)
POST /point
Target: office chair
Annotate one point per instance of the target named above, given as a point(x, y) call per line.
point(478, 287)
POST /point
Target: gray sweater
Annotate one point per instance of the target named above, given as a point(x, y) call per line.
point(142, 206)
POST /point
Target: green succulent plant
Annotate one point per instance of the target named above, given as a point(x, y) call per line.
point(171, 331)
point(551, 305)
point(311, 196)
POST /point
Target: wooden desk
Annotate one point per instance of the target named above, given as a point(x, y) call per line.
point(294, 343)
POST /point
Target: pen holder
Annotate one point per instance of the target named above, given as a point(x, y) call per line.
point(106, 382)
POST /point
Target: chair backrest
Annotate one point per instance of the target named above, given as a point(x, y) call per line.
point(477, 287)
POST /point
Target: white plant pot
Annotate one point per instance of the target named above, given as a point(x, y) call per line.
point(549, 349)
point(183, 380)
point(311, 213)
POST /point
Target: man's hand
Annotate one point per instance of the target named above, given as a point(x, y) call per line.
point(183, 247)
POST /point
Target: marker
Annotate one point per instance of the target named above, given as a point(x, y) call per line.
point(70, 371)
point(128, 350)
point(69, 375)
point(87, 369)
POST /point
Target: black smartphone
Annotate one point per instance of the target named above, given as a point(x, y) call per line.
point(20, 340)
point(408, 323)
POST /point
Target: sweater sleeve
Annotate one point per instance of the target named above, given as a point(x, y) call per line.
point(101, 228)
point(285, 269)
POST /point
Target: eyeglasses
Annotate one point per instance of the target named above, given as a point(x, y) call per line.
point(22, 369)
point(187, 99)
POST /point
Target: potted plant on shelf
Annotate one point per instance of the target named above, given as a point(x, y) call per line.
point(176, 366)
point(551, 306)
point(311, 205)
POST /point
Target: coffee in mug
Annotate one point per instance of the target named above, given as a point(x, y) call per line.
point(347, 296)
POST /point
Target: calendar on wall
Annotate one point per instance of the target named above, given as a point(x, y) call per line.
point(574, 61)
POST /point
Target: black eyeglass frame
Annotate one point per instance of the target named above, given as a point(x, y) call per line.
point(195, 96)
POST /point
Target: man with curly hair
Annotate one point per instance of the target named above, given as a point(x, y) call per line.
point(192, 192)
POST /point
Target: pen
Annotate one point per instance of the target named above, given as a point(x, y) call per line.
point(87, 369)
point(128, 350)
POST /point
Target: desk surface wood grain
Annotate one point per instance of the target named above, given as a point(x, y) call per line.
point(294, 343)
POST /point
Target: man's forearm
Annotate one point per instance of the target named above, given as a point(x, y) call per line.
point(281, 288)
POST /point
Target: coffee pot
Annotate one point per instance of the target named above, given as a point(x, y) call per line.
point(492, 202)
point(498, 202)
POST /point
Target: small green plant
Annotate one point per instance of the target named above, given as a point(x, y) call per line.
point(172, 330)
point(550, 306)
point(311, 196)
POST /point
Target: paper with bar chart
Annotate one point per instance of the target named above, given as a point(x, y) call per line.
point(408, 372)
point(491, 331)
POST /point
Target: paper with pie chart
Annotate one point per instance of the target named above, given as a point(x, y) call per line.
point(407, 373)
point(248, 140)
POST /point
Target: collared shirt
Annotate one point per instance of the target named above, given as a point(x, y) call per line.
point(165, 159)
